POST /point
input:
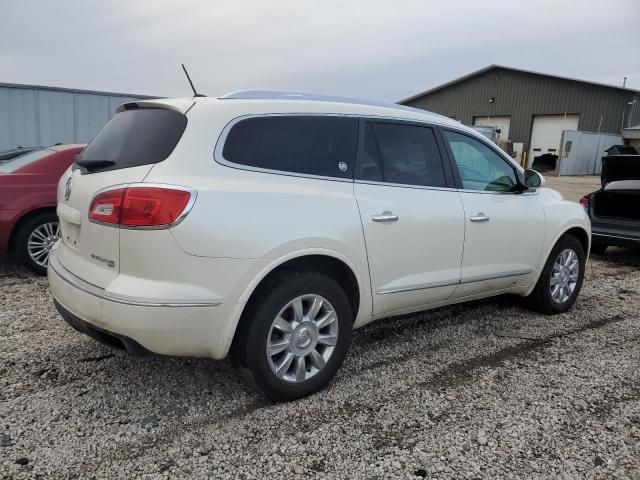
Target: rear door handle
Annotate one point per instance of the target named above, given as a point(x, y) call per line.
point(385, 216)
point(480, 217)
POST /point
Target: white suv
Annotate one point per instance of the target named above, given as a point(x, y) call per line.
point(268, 225)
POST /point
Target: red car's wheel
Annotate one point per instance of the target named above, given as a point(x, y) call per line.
point(35, 239)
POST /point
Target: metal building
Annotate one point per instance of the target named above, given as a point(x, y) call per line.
point(532, 108)
point(32, 115)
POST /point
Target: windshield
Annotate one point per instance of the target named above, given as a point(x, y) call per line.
point(23, 160)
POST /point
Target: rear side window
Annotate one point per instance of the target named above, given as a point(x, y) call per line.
point(404, 154)
point(134, 137)
point(311, 145)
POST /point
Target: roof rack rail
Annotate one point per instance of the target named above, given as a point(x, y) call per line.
point(284, 95)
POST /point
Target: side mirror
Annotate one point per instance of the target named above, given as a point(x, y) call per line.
point(533, 179)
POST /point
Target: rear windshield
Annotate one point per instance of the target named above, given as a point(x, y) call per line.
point(133, 138)
point(17, 163)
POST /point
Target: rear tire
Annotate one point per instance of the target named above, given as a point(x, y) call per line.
point(34, 240)
point(598, 248)
point(294, 335)
point(559, 284)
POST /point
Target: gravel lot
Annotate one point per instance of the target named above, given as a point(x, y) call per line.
point(485, 390)
point(573, 188)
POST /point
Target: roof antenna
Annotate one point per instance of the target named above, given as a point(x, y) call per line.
point(195, 94)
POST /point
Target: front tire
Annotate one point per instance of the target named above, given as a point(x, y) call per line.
point(294, 335)
point(34, 241)
point(561, 279)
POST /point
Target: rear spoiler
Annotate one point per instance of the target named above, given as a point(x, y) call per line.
point(180, 105)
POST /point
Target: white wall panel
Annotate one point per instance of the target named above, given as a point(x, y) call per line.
point(56, 117)
point(18, 118)
point(92, 112)
point(40, 116)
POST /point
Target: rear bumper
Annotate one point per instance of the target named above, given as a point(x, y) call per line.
point(616, 240)
point(108, 338)
point(188, 329)
point(618, 234)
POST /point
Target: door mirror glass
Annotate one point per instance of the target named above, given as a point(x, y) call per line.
point(533, 179)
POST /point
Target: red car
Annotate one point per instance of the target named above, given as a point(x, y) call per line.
point(28, 221)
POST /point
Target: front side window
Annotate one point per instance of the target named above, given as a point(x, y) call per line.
point(479, 166)
point(311, 145)
point(403, 154)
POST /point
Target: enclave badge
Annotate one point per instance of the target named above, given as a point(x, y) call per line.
point(67, 188)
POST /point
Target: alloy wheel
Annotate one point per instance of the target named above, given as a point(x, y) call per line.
point(41, 241)
point(302, 338)
point(564, 276)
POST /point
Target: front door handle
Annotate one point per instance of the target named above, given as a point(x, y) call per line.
point(385, 216)
point(480, 217)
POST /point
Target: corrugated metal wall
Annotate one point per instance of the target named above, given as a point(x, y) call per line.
point(35, 116)
point(582, 152)
point(521, 95)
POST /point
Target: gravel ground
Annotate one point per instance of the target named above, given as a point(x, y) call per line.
point(573, 188)
point(484, 390)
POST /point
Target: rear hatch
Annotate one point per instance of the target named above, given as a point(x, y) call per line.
point(140, 135)
point(619, 198)
point(620, 167)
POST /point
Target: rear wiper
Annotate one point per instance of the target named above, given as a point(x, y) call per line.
point(94, 163)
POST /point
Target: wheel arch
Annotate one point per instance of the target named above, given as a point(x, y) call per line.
point(581, 234)
point(317, 260)
point(335, 267)
point(22, 220)
point(577, 231)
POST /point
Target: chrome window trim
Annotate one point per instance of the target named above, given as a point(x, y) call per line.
point(219, 147)
point(404, 185)
point(488, 192)
point(478, 278)
point(192, 200)
point(443, 189)
point(101, 293)
point(283, 173)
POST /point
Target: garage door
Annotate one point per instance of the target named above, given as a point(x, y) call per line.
point(503, 123)
point(545, 138)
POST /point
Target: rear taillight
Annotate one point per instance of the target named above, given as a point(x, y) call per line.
point(584, 201)
point(140, 206)
point(106, 206)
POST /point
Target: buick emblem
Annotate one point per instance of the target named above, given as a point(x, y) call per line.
point(342, 166)
point(67, 188)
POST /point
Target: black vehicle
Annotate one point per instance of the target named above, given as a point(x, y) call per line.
point(16, 152)
point(614, 210)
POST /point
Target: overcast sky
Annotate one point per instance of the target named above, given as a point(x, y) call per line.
point(383, 50)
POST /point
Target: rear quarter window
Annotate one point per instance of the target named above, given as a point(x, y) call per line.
point(136, 137)
point(312, 145)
